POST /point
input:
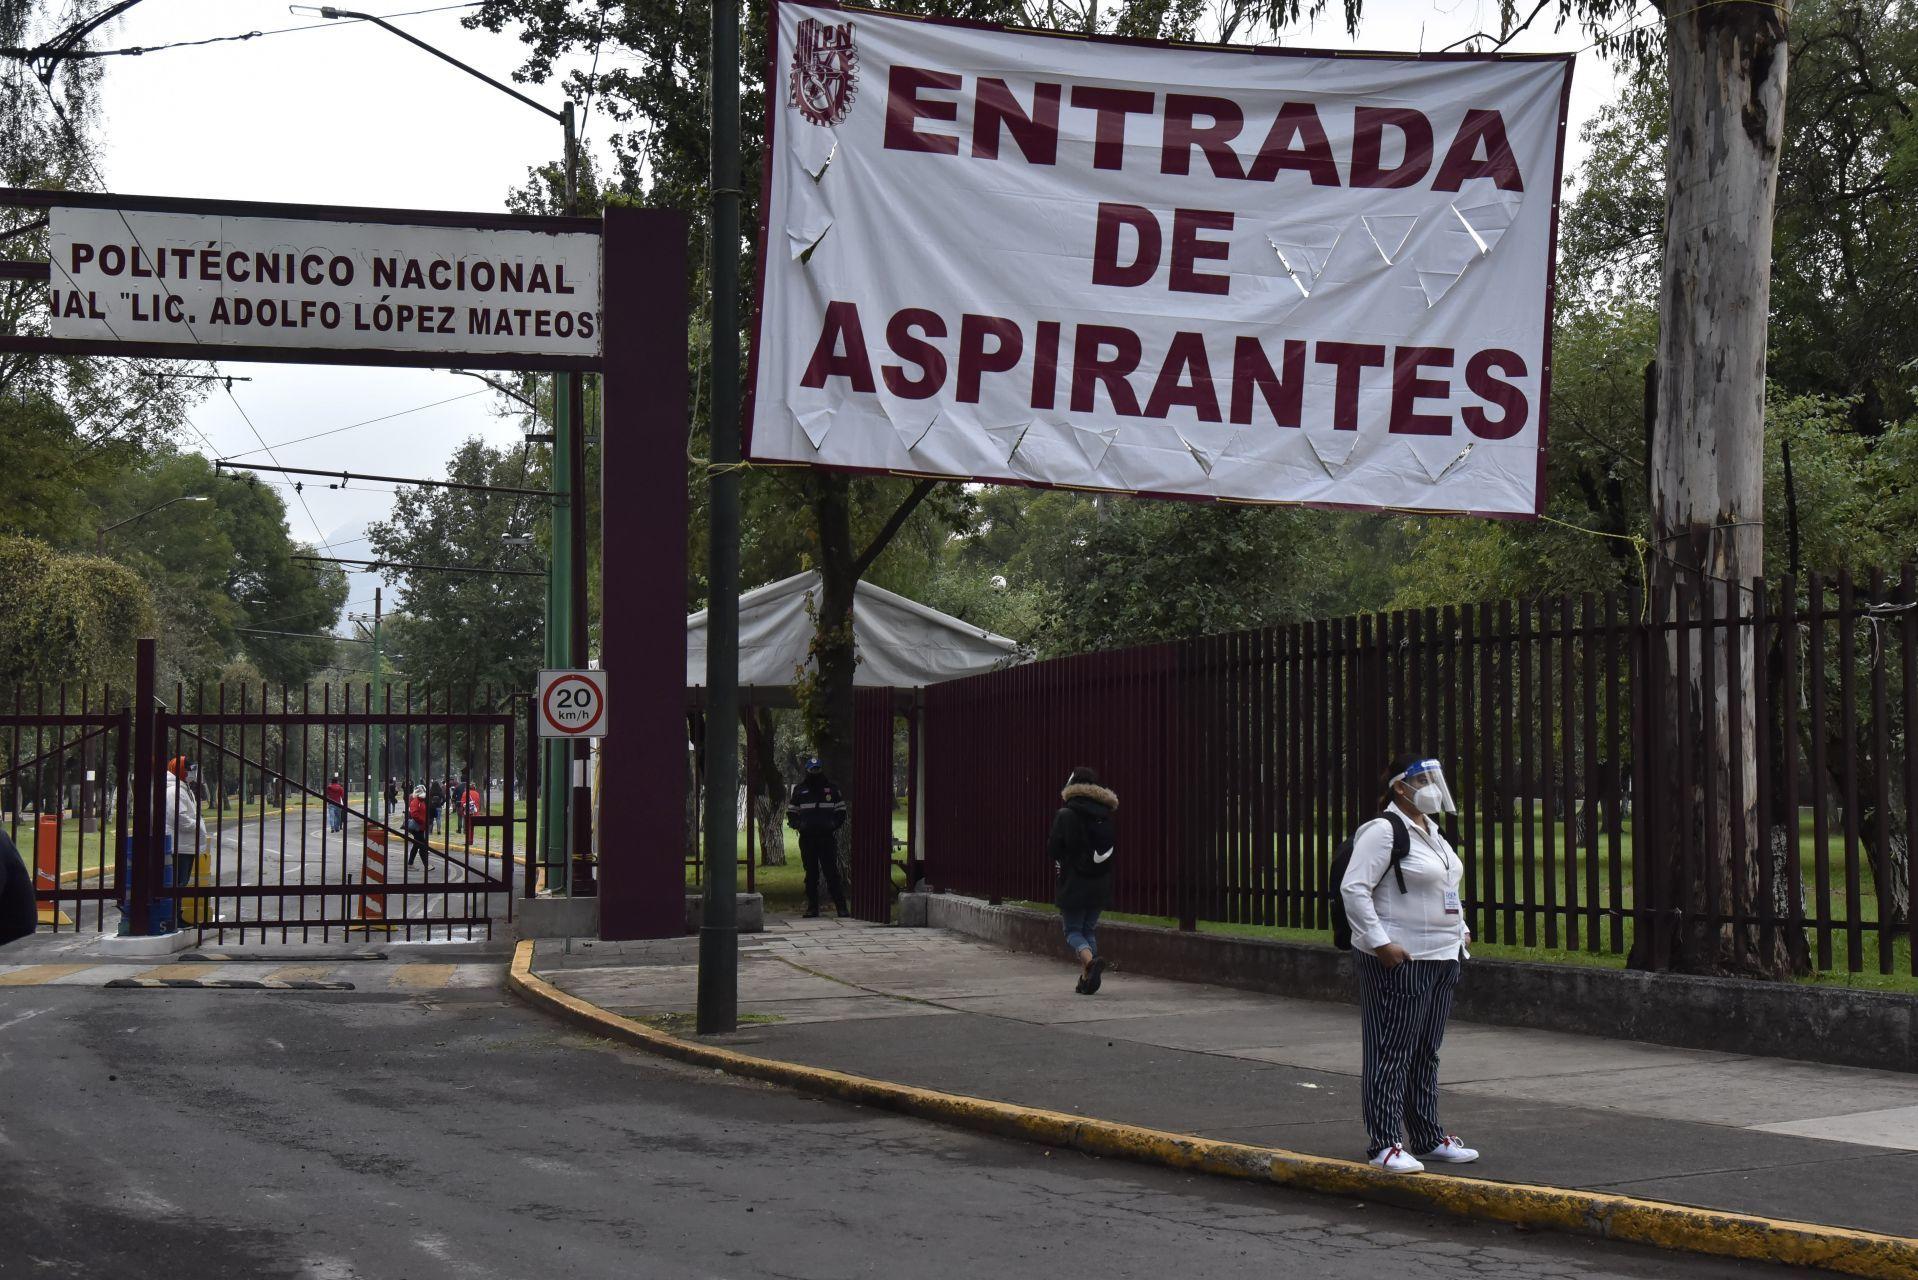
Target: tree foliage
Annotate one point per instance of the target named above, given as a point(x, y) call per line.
point(67, 617)
point(460, 630)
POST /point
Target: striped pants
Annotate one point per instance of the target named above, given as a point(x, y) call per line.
point(1404, 1012)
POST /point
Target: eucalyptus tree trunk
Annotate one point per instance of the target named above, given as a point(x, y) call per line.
point(769, 805)
point(1727, 85)
point(833, 655)
point(826, 695)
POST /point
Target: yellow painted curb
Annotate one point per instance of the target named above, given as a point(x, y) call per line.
point(1614, 1217)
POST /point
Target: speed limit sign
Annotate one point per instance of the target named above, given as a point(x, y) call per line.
point(572, 704)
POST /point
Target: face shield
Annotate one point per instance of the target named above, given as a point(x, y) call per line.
point(1426, 780)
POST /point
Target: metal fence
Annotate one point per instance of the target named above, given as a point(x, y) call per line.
point(1586, 735)
point(63, 765)
point(249, 812)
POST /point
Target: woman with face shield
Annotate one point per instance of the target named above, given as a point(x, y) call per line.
point(1401, 894)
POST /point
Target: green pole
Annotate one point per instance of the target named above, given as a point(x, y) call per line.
point(378, 705)
point(555, 786)
point(719, 931)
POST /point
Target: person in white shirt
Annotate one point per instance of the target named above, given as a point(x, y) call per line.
point(180, 816)
point(1408, 927)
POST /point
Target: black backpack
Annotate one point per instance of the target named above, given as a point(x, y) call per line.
point(1089, 846)
point(1401, 844)
point(1095, 859)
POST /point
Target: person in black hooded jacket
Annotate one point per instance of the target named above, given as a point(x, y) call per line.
point(1082, 845)
point(19, 914)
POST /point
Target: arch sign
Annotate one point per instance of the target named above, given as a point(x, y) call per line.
point(237, 280)
point(1269, 275)
point(572, 704)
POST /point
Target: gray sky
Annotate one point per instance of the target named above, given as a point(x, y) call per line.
point(348, 114)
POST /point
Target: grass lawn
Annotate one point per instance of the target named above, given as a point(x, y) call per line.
point(1900, 980)
point(784, 888)
point(80, 857)
point(1562, 879)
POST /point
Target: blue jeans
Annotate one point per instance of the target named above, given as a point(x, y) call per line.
point(1081, 902)
point(335, 818)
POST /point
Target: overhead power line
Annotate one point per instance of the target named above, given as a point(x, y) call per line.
point(385, 417)
point(248, 418)
point(50, 55)
point(300, 635)
point(427, 568)
point(356, 475)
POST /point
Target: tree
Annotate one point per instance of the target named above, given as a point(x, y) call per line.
point(463, 630)
point(222, 571)
point(1068, 573)
point(68, 617)
point(1845, 231)
point(64, 421)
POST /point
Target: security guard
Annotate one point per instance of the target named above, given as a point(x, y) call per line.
point(816, 810)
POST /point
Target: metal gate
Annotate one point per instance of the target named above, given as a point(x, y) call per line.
point(249, 813)
point(63, 765)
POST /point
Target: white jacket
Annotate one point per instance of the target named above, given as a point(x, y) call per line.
point(1428, 919)
point(180, 815)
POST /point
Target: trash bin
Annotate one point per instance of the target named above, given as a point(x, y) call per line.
point(160, 907)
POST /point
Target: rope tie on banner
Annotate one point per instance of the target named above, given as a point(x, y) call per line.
point(1641, 545)
point(1648, 547)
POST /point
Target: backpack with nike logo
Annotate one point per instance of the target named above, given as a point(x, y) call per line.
point(1084, 840)
point(1095, 857)
point(1401, 845)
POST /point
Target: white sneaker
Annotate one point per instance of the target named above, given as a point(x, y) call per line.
point(1394, 1160)
point(1451, 1151)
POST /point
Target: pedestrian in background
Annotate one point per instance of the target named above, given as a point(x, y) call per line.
point(182, 814)
point(816, 810)
point(1401, 894)
point(392, 796)
point(1083, 841)
point(335, 805)
point(418, 822)
point(435, 799)
point(19, 913)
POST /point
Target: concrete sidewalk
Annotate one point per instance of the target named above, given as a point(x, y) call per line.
point(1782, 1139)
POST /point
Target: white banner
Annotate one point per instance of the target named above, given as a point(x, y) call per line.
point(217, 281)
point(1274, 275)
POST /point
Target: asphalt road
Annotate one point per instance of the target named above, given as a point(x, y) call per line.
point(259, 1135)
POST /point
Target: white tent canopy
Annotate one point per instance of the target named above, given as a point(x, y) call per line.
point(901, 643)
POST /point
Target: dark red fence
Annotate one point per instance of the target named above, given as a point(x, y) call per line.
point(1585, 737)
point(871, 816)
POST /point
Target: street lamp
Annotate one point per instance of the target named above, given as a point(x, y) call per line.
point(100, 540)
point(566, 567)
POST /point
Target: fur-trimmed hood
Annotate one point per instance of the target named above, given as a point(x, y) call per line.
point(1092, 792)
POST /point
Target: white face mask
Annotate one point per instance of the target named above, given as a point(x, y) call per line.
point(1428, 799)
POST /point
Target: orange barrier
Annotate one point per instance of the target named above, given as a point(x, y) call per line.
point(46, 865)
point(373, 872)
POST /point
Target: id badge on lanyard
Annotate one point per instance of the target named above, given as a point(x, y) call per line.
point(1451, 902)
